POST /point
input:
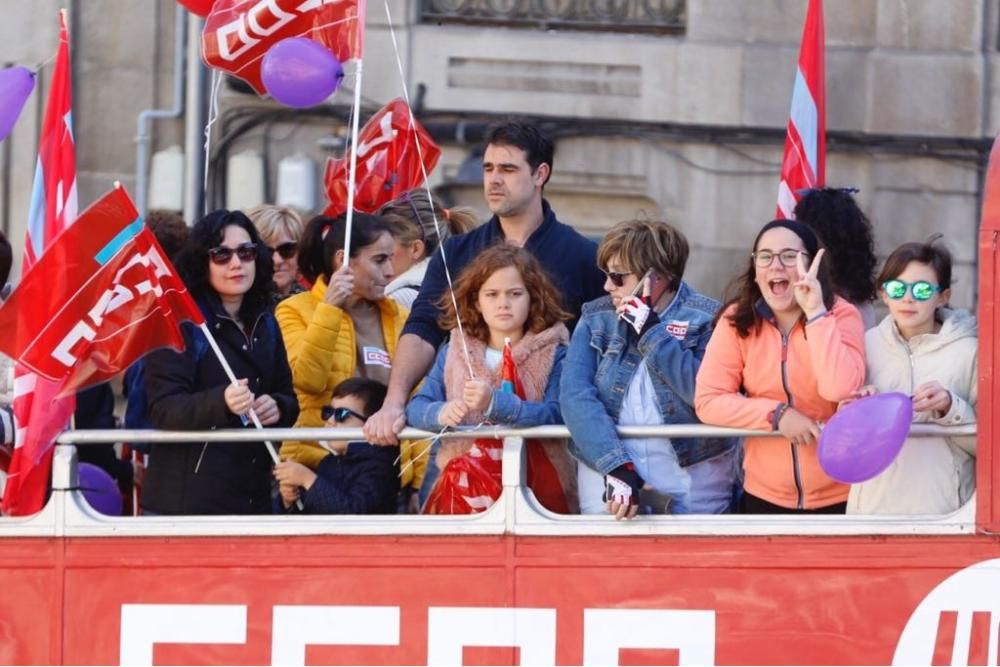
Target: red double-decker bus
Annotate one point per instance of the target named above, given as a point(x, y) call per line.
point(516, 585)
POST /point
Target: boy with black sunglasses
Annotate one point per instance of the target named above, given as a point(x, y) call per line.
point(358, 478)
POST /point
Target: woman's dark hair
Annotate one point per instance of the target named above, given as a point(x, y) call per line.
point(930, 252)
point(371, 392)
point(207, 233)
point(6, 259)
point(846, 233)
point(170, 230)
point(324, 236)
point(745, 317)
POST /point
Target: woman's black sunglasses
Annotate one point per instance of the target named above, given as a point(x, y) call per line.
point(340, 415)
point(247, 252)
point(617, 279)
point(287, 249)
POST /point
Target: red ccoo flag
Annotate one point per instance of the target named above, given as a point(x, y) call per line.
point(53, 208)
point(804, 162)
point(102, 295)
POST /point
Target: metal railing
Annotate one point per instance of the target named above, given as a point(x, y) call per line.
point(635, 16)
point(516, 512)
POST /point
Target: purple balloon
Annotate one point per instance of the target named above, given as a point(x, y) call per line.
point(864, 437)
point(16, 84)
point(100, 489)
point(300, 72)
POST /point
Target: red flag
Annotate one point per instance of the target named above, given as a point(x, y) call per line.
point(804, 163)
point(102, 295)
point(389, 162)
point(41, 415)
point(239, 32)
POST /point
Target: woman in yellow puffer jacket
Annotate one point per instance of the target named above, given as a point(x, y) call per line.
point(344, 326)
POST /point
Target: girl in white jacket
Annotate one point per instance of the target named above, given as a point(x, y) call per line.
point(927, 351)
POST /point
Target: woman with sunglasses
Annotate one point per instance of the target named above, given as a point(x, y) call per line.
point(231, 281)
point(783, 354)
point(928, 351)
point(344, 326)
point(280, 230)
point(412, 217)
point(632, 362)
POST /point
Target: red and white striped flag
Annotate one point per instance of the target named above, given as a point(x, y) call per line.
point(41, 416)
point(804, 162)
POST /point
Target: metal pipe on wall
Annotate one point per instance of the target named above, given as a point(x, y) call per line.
point(194, 125)
point(143, 137)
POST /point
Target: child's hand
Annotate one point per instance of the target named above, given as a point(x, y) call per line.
point(294, 474)
point(932, 397)
point(477, 395)
point(453, 413)
point(289, 494)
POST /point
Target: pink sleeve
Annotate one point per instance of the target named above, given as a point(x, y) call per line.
point(717, 399)
point(837, 348)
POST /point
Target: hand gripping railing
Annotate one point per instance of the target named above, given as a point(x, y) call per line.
point(517, 511)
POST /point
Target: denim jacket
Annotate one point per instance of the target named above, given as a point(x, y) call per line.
point(602, 358)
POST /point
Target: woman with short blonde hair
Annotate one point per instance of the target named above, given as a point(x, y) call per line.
point(280, 229)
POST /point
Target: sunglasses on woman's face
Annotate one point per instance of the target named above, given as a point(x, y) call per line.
point(921, 290)
point(247, 252)
point(617, 279)
point(340, 415)
point(286, 250)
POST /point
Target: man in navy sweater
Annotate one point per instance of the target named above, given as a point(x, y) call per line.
point(516, 165)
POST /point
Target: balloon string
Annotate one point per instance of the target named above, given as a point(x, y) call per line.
point(427, 187)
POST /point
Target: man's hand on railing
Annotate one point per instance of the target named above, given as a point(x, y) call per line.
point(622, 487)
point(383, 427)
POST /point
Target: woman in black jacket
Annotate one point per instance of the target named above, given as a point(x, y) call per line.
point(230, 278)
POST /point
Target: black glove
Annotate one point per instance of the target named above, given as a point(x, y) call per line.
point(638, 314)
point(622, 485)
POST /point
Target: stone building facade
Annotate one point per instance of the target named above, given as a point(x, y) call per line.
point(677, 114)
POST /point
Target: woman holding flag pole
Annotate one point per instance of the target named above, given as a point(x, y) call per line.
point(247, 379)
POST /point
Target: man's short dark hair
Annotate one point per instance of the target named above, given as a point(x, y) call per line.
point(537, 147)
point(6, 259)
point(371, 392)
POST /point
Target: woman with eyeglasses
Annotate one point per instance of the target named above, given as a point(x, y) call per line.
point(784, 353)
point(344, 326)
point(632, 361)
point(280, 230)
point(926, 350)
point(231, 280)
point(412, 218)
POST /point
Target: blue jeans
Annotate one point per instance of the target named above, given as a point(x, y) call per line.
point(715, 484)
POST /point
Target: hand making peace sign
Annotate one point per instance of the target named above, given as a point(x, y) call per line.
point(808, 291)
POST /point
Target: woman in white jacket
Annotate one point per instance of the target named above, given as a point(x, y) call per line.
point(419, 225)
point(927, 351)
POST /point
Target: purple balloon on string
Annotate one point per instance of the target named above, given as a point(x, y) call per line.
point(300, 72)
point(16, 84)
point(864, 437)
point(100, 489)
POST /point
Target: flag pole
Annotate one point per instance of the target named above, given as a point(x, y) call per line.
point(352, 174)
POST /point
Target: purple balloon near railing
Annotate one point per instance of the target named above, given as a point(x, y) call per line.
point(16, 84)
point(864, 437)
point(300, 72)
point(100, 489)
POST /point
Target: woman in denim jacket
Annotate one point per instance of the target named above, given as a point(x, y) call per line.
point(633, 361)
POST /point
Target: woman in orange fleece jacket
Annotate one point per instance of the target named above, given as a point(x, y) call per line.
point(784, 352)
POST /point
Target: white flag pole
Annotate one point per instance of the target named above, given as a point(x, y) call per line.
point(352, 174)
